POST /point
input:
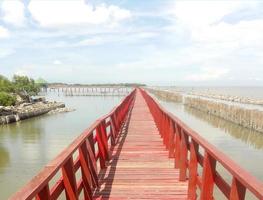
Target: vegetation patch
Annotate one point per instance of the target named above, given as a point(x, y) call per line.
point(7, 99)
point(18, 86)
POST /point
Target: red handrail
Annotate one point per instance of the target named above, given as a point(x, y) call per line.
point(91, 146)
point(184, 146)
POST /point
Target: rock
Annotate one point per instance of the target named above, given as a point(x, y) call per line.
point(38, 99)
point(19, 100)
point(61, 110)
point(27, 110)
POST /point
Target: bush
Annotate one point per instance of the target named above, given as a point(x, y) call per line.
point(7, 99)
point(6, 85)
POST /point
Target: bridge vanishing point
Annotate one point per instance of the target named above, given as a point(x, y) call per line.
point(140, 151)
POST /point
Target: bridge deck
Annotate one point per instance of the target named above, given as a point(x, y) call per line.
point(140, 167)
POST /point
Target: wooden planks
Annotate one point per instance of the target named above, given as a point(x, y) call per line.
point(139, 167)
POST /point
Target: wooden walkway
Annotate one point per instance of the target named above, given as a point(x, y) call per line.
point(139, 167)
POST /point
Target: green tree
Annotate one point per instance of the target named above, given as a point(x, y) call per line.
point(6, 85)
point(25, 84)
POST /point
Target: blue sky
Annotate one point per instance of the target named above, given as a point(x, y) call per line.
point(158, 42)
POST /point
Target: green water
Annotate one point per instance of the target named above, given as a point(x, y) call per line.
point(25, 147)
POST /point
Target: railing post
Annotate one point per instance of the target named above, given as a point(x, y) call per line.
point(112, 130)
point(193, 170)
point(92, 164)
point(177, 146)
point(171, 139)
point(183, 156)
point(91, 142)
point(44, 194)
point(161, 124)
point(167, 132)
point(104, 137)
point(101, 147)
point(238, 191)
point(85, 171)
point(208, 177)
point(69, 180)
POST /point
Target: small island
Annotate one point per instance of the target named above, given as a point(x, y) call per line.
point(19, 100)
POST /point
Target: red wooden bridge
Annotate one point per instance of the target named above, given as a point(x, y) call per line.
point(140, 151)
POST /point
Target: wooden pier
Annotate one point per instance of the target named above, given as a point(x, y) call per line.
point(140, 168)
point(89, 91)
point(140, 151)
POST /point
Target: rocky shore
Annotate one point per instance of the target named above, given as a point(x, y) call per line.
point(23, 111)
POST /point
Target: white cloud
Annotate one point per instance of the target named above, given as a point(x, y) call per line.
point(50, 13)
point(203, 19)
point(57, 62)
point(4, 33)
point(129, 37)
point(208, 74)
point(13, 12)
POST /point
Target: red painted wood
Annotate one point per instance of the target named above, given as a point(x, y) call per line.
point(177, 146)
point(171, 139)
point(69, 180)
point(208, 177)
point(192, 183)
point(183, 156)
point(140, 167)
point(85, 171)
point(245, 179)
point(44, 194)
point(238, 191)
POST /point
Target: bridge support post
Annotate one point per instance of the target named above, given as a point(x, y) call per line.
point(70, 180)
point(238, 191)
point(171, 139)
point(192, 182)
point(44, 194)
point(183, 156)
point(177, 146)
point(87, 171)
point(208, 177)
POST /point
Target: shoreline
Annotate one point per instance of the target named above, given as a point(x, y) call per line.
point(28, 110)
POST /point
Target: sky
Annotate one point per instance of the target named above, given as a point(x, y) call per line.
point(157, 42)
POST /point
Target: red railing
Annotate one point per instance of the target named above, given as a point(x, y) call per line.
point(91, 147)
point(197, 160)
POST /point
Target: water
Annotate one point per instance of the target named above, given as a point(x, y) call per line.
point(25, 147)
point(242, 145)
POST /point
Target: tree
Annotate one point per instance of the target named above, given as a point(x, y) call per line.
point(6, 85)
point(25, 84)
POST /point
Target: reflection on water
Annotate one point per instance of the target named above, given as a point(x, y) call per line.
point(26, 146)
point(4, 159)
point(28, 130)
point(251, 137)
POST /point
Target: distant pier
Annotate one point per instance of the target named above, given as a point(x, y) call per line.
point(89, 91)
